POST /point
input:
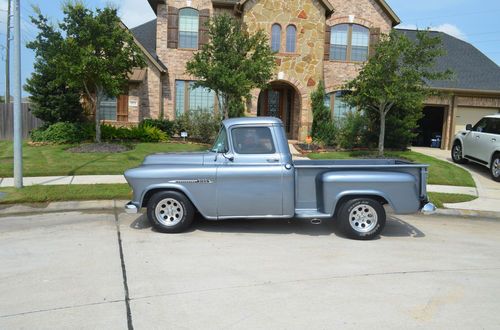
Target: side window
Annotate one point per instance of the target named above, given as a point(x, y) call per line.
point(481, 126)
point(276, 38)
point(220, 144)
point(493, 126)
point(253, 140)
point(291, 38)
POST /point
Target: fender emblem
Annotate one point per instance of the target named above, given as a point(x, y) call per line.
point(202, 181)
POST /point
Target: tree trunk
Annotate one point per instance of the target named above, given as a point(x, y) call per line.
point(99, 96)
point(381, 137)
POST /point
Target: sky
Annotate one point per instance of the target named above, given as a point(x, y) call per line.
point(464, 19)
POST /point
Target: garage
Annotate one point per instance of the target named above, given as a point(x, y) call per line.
point(430, 127)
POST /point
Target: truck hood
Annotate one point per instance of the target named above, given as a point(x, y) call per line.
point(181, 158)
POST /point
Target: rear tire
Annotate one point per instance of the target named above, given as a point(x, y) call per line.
point(170, 212)
point(361, 218)
point(495, 167)
point(457, 153)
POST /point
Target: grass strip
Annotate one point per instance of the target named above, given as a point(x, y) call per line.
point(44, 194)
point(439, 199)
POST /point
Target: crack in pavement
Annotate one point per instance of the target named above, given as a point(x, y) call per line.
point(61, 308)
point(317, 279)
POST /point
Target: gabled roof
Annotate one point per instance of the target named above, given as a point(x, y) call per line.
point(325, 3)
point(145, 36)
point(472, 70)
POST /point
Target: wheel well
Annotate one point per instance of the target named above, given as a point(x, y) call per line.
point(151, 192)
point(492, 156)
point(343, 199)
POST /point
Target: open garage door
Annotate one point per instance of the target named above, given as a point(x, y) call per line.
point(430, 127)
point(471, 116)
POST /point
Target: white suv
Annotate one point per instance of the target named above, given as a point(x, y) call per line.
point(480, 144)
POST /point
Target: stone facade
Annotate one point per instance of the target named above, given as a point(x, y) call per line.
point(301, 70)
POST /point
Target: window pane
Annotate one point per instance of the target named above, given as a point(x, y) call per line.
point(276, 38)
point(328, 100)
point(253, 140)
point(179, 97)
point(108, 108)
point(188, 28)
point(340, 107)
point(201, 99)
point(494, 127)
point(291, 38)
point(338, 42)
point(360, 41)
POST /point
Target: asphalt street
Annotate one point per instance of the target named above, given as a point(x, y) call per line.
point(113, 271)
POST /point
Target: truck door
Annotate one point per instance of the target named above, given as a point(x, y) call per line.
point(250, 177)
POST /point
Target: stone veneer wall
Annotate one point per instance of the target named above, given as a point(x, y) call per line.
point(363, 12)
point(302, 69)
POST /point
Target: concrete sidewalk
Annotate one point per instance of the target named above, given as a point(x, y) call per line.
point(487, 189)
point(64, 180)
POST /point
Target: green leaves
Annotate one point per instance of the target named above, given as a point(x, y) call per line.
point(233, 62)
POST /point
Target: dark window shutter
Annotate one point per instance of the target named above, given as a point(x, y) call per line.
point(327, 42)
point(173, 27)
point(203, 28)
point(374, 39)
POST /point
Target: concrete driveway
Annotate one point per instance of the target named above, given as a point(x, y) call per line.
point(107, 271)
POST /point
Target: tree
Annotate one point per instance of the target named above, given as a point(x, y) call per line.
point(396, 76)
point(233, 62)
point(96, 55)
point(323, 128)
point(52, 100)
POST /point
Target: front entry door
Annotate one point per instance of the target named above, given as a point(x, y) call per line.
point(278, 102)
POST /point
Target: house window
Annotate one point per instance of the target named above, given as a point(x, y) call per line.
point(276, 38)
point(291, 38)
point(108, 108)
point(188, 28)
point(335, 102)
point(349, 42)
point(189, 98)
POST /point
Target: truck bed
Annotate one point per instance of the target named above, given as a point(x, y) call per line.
point(357, 163)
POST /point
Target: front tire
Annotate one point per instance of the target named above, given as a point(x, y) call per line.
point(457, 153)
point(362, 218)
point(170, 212)
point(495, 167)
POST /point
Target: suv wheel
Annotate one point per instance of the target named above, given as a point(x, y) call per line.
point(495, 167)
point(457, 153)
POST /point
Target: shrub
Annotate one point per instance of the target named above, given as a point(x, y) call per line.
point(61, 133)
point(142, 133)
point(202, 126)
point(152, 134)
point(164, 125)
point(326, 134)
point(352, 130)
point(323, 130)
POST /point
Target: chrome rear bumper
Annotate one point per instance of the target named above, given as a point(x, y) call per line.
point(428, 209)
point(130, 208)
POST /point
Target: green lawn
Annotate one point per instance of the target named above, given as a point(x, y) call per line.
point(440, 172)
point(54, 160)
point(439, 199)
point(43, 194)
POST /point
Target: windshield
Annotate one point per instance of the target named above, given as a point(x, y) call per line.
point(220, 144)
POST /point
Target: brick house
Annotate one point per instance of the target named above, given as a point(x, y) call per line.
point(315, 40)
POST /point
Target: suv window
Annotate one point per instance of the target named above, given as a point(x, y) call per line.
point(253, 140)
point(481, 126)
point(493, 126)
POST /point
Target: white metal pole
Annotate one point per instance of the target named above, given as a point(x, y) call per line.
point(18, 138)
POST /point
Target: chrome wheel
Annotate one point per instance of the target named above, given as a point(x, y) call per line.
point(457, 152)
point(169, 212)
point(363, 218)
point(495, 168)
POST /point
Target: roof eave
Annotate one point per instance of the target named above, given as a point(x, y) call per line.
point(388, 10)
point(467, 90)
point(154, 4)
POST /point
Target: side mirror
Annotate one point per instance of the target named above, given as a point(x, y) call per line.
point(468, 127)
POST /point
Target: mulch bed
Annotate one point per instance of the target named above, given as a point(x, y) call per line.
point(100, 148)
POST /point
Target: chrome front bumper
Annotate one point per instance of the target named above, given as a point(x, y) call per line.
point(428, 209)
point(130, 208)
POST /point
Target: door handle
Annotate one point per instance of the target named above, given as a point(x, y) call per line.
point(478, 137)
point(493, 140)
point(273, 160)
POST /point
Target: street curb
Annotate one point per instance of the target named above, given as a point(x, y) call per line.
point(54, 207)
point(107, 205)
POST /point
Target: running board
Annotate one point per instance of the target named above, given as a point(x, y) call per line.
point(310, 214)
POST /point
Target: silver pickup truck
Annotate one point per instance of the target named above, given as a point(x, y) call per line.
point(249, 173)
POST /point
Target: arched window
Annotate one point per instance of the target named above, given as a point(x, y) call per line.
point(335, 102)
point(349, 42)
point(291, 38)
point(188, 28)
point(276, 38)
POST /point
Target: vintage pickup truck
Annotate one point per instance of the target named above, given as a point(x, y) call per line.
point(249, 173)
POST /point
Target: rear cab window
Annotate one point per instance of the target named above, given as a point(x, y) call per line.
point(253, 141)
